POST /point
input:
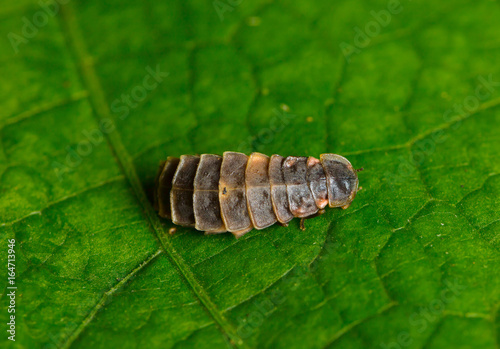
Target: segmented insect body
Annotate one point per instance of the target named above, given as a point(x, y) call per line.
point(237, 193)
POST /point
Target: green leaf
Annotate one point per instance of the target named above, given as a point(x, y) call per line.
point(95, 94)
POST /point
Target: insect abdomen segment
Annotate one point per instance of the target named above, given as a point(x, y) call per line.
point(206, 195)
point(237, 193)
point(232, 194)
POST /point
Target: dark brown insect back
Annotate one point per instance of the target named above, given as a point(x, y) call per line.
point(237, 193)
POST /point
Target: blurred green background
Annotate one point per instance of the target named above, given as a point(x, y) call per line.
point(95, 94)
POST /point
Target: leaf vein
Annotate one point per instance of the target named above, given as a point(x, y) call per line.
point(76, 42)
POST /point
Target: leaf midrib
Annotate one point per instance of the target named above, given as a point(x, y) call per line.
point(76, 45)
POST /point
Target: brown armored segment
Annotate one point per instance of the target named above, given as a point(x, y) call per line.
point(279, 196)
point(206, 195)
point(341, 180)
point(181, 195)
point(237, 193)
point(316, 179)
point(300, 198)
point(164, 184)
point(232, 193)
point(258, 192)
